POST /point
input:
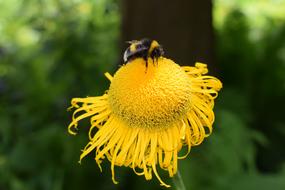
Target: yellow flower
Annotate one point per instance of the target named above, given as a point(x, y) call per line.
point(148, 115)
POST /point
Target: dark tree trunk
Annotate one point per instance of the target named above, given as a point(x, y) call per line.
point(183, 27)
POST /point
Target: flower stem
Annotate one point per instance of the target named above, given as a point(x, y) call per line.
point(178, 181)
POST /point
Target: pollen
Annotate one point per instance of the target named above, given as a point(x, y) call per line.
point(152, 98)
point(148, 115)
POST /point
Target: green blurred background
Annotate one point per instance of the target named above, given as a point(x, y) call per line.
point(53, 50)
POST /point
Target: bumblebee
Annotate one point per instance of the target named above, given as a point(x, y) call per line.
point(145, 49)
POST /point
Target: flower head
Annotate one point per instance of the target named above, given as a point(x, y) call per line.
point(147, 116)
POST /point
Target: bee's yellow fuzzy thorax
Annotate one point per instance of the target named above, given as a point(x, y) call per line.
point(153, 45)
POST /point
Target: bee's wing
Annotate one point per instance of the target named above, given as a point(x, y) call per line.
point(126, 55)
point(132, 41)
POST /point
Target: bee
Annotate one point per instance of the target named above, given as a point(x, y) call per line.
point(145, 49)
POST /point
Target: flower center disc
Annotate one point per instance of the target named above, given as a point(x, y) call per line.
point(152, 97)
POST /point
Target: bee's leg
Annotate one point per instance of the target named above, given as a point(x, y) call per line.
point(155, 57)
point(156, 61)
point(146, 63)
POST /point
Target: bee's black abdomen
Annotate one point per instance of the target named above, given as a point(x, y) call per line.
point(141, 54)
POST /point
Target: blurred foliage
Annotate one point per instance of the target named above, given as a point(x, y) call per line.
point(53, 50)
point(50, 51)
